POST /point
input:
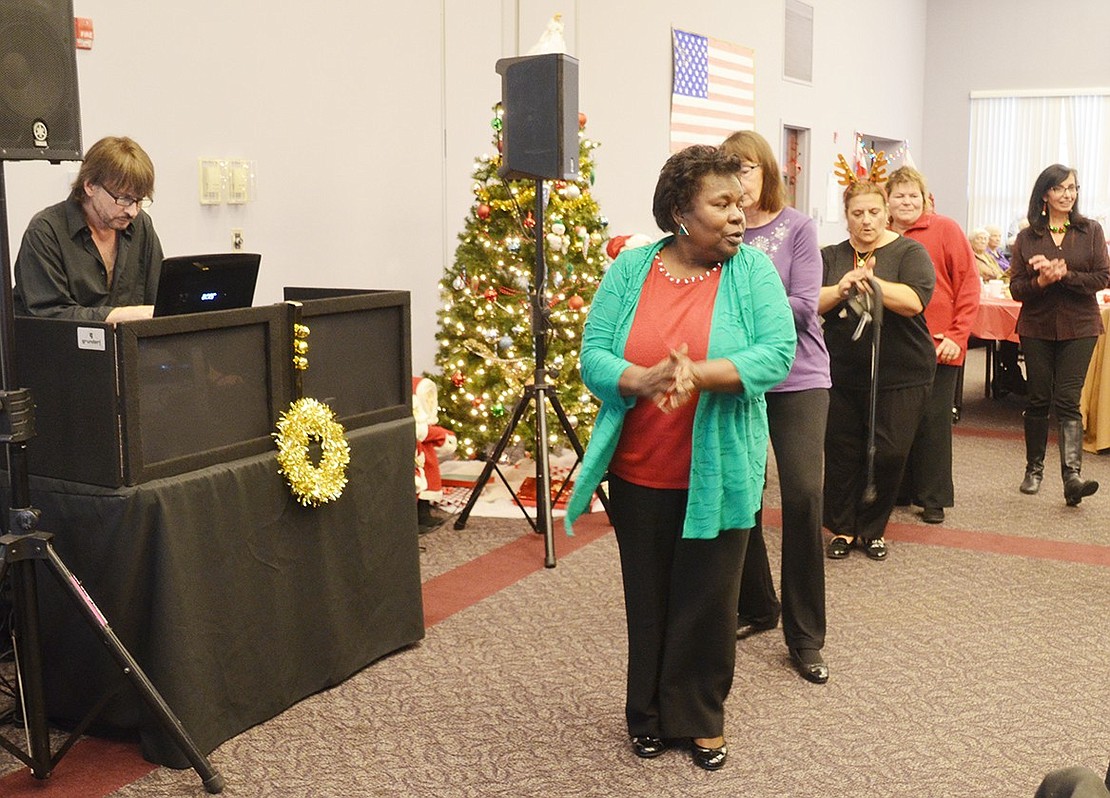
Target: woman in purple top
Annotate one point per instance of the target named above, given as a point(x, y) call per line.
point(796, 413)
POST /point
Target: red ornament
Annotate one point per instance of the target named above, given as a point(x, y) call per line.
point(529, 221)
point(483, 211)
point(490, 294)
point(576, 302)
point(614, 246)
point(581, 119)
point(457, 379)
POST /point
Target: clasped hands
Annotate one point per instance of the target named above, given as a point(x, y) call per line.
point(856, 278)
point(1048, 271)
point(672, 382)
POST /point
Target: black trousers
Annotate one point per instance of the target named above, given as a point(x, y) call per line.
point(797, 424)
point(897, 414)
point(680, 604)
point(1054, 372)
point(928, 475)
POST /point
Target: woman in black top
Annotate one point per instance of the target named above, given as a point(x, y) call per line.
point(1057, 266)
point(904, 375)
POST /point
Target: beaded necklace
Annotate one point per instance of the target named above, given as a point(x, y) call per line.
point(1062, 228)
point(683, 280)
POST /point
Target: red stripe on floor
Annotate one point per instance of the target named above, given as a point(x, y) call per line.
point(92, 768)
point(446, 594)
point(990, 542)
point(986, 432)
point(995, 543)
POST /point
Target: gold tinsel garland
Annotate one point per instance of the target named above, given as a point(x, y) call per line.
point(310, 419)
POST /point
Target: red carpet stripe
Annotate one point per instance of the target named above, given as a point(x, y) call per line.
point(987, 432)
point(989, 542)
point(91, 769)
point(480, 578)
point(995, 543)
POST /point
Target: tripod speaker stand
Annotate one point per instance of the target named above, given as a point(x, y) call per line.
point(539, 392)
point(23, 545)
point(540, 97)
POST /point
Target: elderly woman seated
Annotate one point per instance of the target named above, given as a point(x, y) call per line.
point(988, 266)
point(994, 247)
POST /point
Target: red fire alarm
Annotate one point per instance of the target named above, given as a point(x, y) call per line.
point(83, 28)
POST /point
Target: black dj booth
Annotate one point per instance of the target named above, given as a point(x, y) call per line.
point(154, 468)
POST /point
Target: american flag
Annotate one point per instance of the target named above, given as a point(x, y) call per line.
point(714, 90)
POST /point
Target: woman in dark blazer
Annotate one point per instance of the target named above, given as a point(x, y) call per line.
point(1057, 266)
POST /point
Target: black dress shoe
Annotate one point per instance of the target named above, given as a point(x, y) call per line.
point(708, 758)
point(810, 664)
point(838, 548)
point(933, 515)
point(876, 548)
point(746, 628)
point(646, 746)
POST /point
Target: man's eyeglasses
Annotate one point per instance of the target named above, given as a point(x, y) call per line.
point(127, 202)
point(747, 168)
point(1065, 190)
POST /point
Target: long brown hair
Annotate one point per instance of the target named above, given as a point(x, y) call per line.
point(116, 163)
point(753, 148)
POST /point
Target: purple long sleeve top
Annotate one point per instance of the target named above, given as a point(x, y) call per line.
point(790, 241)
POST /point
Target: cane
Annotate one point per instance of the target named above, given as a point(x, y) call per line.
point(869, 492)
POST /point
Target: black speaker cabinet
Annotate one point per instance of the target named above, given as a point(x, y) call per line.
point(539, 94)
point(40, 117)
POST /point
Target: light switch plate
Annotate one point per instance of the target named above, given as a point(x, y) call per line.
point(211, 173)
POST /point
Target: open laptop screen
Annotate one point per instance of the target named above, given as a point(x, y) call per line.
point(196, 283)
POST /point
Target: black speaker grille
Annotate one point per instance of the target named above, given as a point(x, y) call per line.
point(40, 116)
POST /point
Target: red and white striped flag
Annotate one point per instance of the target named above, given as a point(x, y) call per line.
point(713, 92)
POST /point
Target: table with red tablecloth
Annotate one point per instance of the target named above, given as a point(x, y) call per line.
point(996, 321)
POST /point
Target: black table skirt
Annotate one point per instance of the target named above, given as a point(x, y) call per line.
point(236, 600)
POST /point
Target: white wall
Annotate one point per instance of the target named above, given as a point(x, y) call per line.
point(364, 118)
point(999, 45)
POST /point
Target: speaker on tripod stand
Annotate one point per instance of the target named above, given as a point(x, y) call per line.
point(540, 133)
point(40, 119)
point(539, 141)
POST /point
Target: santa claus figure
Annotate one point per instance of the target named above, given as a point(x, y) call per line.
point(433, 443)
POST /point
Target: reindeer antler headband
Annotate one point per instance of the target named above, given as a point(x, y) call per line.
point(847, 176)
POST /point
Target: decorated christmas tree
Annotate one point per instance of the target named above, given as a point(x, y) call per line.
point(485, 350)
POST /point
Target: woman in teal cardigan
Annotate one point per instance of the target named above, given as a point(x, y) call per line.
point(683, 339)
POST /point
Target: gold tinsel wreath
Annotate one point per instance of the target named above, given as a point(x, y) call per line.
point(309, 419)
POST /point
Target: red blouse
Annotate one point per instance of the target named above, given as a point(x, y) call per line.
point(654, 447)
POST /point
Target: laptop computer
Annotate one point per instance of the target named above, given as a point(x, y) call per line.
point(196, 283)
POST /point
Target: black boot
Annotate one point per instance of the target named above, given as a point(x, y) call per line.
point(1071, 461)
point(1036, 438)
